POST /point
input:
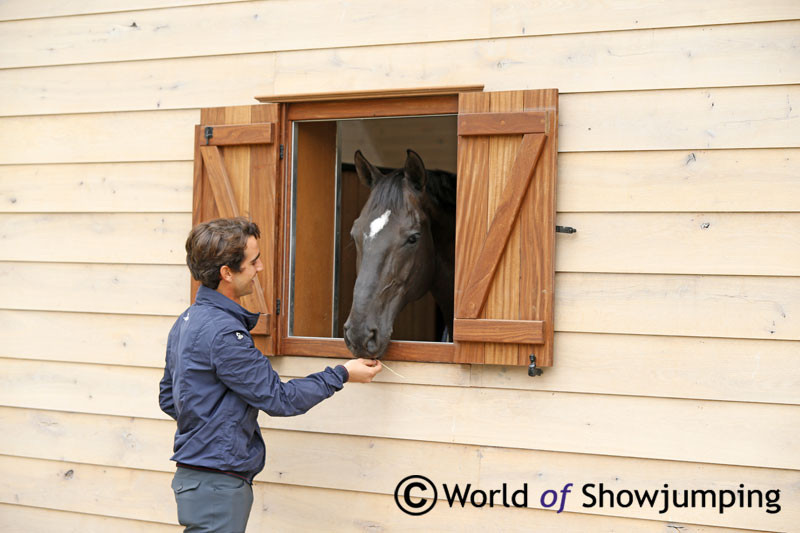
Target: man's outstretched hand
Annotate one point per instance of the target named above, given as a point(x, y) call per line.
point(362, 370)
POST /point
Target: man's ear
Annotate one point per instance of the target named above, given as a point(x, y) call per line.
point(225, 273)
point(367, 173)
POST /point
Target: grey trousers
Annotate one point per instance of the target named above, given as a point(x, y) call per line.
point(211, 502)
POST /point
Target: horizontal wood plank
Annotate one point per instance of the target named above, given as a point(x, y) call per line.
point(501, 123)
point(16, 518)
point(99, 138)
point(277, 506)
point(705, 306)
point(359, 95)
point(20, 9)
point(752, 117)
point(505, 331)
point(95, 288)
point(673, 243)
point(388, 107)
point(716, 56)
point(741, 306)
point(100, 238)
point(684, 180)
point(688, 119)
point(679, 367)
point(238, 134)
point(397, 350)
point(685, 243)
point(629, 426)
point(115, 339)
point(737, 55)
point(367, 464)
point(97, 188)
point(276, 26)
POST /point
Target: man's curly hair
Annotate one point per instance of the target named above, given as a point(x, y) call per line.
point(219, 242)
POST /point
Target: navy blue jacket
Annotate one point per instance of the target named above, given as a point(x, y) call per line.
point(216, 380)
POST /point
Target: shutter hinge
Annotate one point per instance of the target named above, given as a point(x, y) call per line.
point(281, 152)
point(278, 307)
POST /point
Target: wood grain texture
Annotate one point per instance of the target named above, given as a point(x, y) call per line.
point(377, 107)
point(397, 350)
point(22, 519)
point(349, 463)
point(502, 123)
point(501, 225)
point(270, 26)
point(97, 188)
point(504, 331)
point(239, 134)
point(538, 248)
point(630, 426)
point(680, 181)
point(471, 211)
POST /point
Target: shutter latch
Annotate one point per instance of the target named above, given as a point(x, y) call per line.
point(209, 132)
point(533, 370)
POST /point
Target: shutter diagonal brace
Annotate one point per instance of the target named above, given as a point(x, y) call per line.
point(480, 278)
point(226, 205)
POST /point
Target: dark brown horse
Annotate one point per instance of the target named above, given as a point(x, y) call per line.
point(405, 247)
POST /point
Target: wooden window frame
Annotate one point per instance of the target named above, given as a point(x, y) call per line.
point(507, 158)
point(340, 107)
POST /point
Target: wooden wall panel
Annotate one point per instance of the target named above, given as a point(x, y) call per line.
point(684, 180)
point(607, 61)
point(97, 188)
point(711, 306)
point(99, 138)
point(274, 26)
point(681, 243)
point(615, 425)
point(96, 238)
point(135, 340)
point(20, 9)
point(684, 243)
point(127, 289)
point(737, 55)
point(21, 519)
point(364, 464)
point(749, 117)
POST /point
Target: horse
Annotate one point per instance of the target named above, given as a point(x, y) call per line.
point(405, 247)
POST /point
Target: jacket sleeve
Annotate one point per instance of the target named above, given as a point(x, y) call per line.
point(248, 372)
point(165, 398)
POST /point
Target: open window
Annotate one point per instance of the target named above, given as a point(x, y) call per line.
point(289, 166)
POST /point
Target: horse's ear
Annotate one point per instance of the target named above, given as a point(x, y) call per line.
point(414, 170)
point(367, 173)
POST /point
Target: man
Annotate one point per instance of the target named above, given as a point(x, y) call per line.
point(215, 382)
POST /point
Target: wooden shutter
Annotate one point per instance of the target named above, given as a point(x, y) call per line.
point(236, 163)
point(505, 228)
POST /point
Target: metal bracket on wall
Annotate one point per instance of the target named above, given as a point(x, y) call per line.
point(533, 370)
point(565, 229)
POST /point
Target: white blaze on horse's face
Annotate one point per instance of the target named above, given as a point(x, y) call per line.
point(378, 224)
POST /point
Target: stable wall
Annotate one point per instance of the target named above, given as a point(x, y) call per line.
point(677, 302)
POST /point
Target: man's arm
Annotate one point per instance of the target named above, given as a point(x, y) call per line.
point(165, 399)
point(246, 371)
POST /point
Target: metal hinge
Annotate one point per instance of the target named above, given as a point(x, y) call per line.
point(278, 307)
point(281, 152)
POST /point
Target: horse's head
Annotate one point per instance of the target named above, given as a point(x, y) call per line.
point(394, 253)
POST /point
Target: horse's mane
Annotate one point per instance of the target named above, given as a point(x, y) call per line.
point(439, 184)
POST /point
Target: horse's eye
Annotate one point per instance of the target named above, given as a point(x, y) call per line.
point(413, 239)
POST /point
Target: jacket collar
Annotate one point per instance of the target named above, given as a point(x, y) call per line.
point(206, 296)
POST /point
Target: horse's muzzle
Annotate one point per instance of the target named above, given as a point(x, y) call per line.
point(362, 340)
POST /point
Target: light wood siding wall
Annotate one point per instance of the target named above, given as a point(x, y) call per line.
point(677, 303)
